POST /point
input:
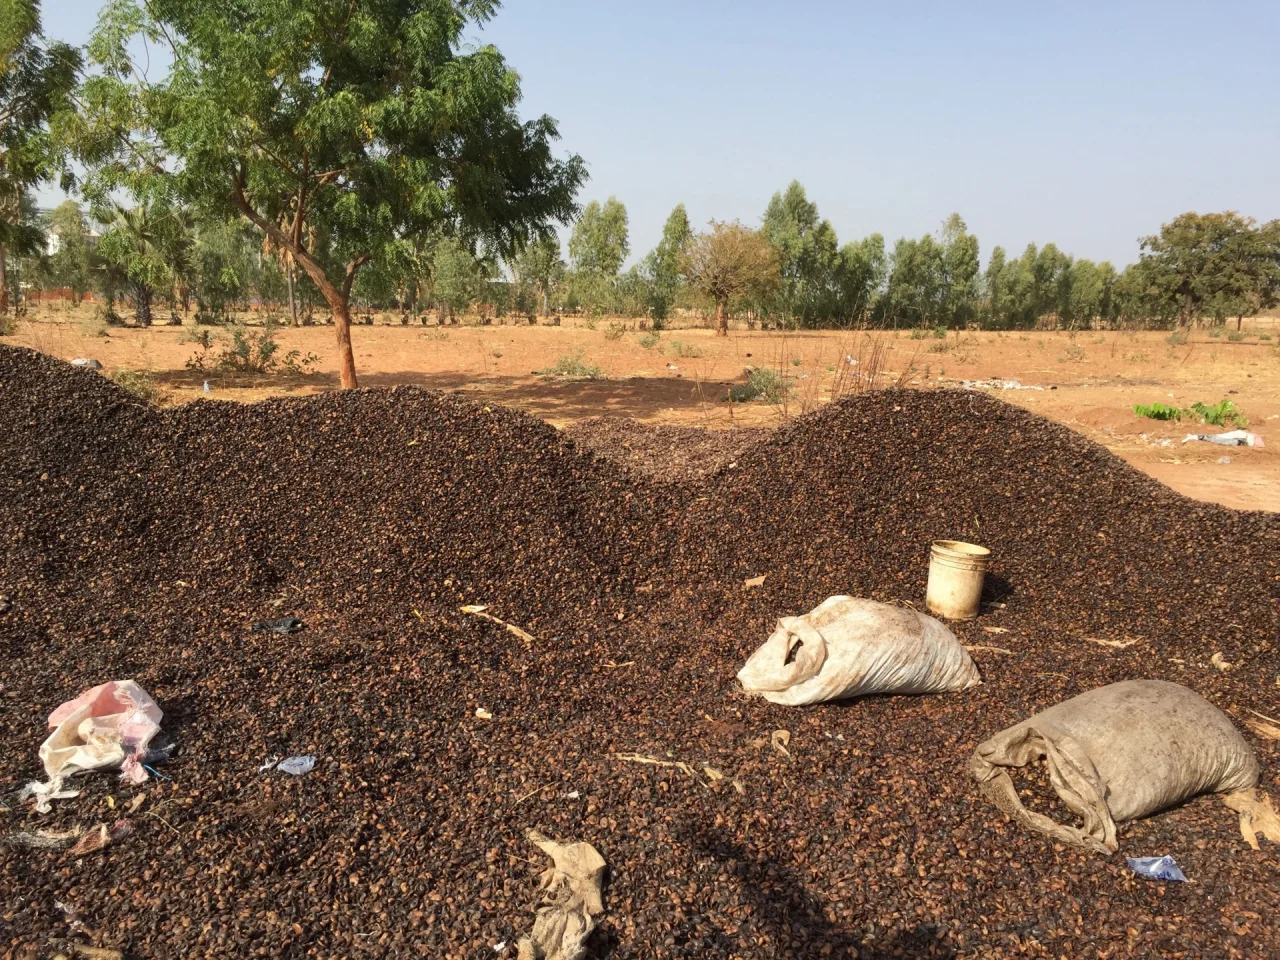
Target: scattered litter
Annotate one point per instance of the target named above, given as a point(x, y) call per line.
point(499, 947)
point(971, 647)
point(156, 773)
point(996, 383)
point(570, 903)
point(754, 581)
point(42, 839)
point(282, 626)
point(483, 714)
point(780, 740)
point(100, 836)
point(1257, 816)
point(849, 648)
point(1219, 661)
point(95, 953)
point(109, 725)
point(86, 363)
point(206, 387)
point(478, 610)
point(996, 630)
point(268, 764)
point(654, 761)
point(1232, 438)
point(1117, 753)
point(297, 766)
point(1158, 868)
point(1116, 644)
point(712, 773)
point(611, 665)
point(1224, 459)
point(1266, 727)
point(572, 795)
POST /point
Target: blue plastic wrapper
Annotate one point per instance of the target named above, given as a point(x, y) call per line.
point(1158, 868)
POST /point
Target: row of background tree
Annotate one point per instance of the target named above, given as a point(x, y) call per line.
point(1212, 266)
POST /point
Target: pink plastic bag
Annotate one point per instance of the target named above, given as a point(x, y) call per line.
point(110, 725)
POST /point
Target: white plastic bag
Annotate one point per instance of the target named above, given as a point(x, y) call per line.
point(847, 647)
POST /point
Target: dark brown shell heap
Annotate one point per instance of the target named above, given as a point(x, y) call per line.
point(137, 543)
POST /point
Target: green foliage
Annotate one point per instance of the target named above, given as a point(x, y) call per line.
point(796, 361)
point(1224, 413)
point(8, 325)
point(36, 82)
point(1157, 411)
point(1074, 353)
point(1177, 339)
point(663, 266)
point(539, 269)
point(570, 366)
point(1215, 332)
point(650, 339)
point(1235, 336)
point(339, 130)
point(138, 382)
point(597, 249)
point(939, 333)
point(764, 385)
point(615, 330)
point(458, 277)
point(1264, 336)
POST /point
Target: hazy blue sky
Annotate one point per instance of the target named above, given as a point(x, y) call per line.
point(1086, 124)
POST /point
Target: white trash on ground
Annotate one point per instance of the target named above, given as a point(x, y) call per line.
point(1117, 753)
point(847, 647)
point(1232, 438)
point(1157, 868)
point(110, 725)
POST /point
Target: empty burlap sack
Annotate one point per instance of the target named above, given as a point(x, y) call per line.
point(849, 648)
point(571, 901)
point(1117, 753)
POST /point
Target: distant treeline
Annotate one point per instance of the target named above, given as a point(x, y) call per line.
point(1198, 267)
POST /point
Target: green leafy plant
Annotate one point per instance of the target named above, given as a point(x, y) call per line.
point(796, 361)
point(614, 330)
point(570, 367)
point(1139, 357)
point(939, 333)
point(1224, 413)
point(1177, 339)
point(8, 325)
point(917, 334)
point(650, 339)
point(764, 385)
point(249, 352)
point(1157, 411)
point(1235, 336)
point(1215, 332)
point(1264, 336)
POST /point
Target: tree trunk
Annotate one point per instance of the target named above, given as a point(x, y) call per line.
point(142, 304)
point(346, 360)
point(722, 320)
point(4, 284)
point(546, 302)
point(293, 303)
point(1240, 321)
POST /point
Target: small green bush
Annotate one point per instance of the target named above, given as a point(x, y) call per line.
point(918, 334)
point(1224, 413)
point(1177, 338)
point(1264, 336)
point(796, 361)
point(1157, 411)
point(939, 333)
point(615, 330)
point(1073, 354)
point(1235, 336)
point(764, 385)
point(1215, 332)
point(570, 367)
point(650, 340)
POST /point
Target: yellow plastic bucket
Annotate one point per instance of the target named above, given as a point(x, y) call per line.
point(956, 572)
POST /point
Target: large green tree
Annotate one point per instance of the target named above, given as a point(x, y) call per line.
point(72, 261)
point(36, 80)
point(598, 247)
point(1193, 258)
point(808, 255)
point(337, 129)
point(539, 268)
point(662, 266)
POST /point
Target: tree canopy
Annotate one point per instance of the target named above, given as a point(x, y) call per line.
point(731, 260)
point(336, 129)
